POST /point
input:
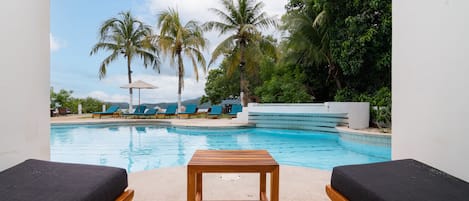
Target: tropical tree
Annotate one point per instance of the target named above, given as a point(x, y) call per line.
point(130, 38)
point(309, 30)
point(176, 40)
point(245, 45)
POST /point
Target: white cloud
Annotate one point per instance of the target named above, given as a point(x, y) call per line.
point(103, 96)
point(55, 44)
point(199, 10)
point(166, 91)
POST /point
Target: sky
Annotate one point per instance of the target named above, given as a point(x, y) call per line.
point(74, 31)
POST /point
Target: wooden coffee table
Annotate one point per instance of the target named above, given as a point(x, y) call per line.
point(232, 161)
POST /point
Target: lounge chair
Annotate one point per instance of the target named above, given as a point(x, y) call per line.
point(403, 180)
point(34, 180)
point(138, 111)
point(110, 111)
point(191, 109)
point(148, 113)
point(170, 111)
point(235, 109)
point(215, 111)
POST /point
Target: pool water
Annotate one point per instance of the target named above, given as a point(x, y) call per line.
point(144, 147)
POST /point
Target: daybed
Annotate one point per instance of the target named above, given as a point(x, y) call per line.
point(400, 180)
point(34, 180)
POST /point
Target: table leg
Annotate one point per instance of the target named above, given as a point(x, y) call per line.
point(199, 184)
point(262, 184)
point(190, 184)
point(274, 184)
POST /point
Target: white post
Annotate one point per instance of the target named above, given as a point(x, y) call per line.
point(79, 109)
point(130, 104)
point(104, 108)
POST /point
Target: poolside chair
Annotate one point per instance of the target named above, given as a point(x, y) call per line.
point(191, 109)
point(403, 180)
point(148, 113)
point(48, 181)
point(235, 109)
point(111, 111)
point(215, 111)
point(138, 111)
point(170, 111)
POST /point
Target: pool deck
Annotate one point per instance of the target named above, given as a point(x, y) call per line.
point(201, 122)
point(169, 184)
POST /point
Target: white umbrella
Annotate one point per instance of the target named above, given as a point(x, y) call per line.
point(139, 84)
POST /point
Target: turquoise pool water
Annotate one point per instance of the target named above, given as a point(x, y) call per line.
point(143, 147)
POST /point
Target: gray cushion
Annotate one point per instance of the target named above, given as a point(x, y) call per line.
point(34, 180)
point(400, 180)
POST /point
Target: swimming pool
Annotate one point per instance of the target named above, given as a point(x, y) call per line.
point(144, 147)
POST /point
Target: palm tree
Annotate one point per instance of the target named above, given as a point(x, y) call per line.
point(176, 40)
point(130, 38)
point(309, 36)
point(245, 45)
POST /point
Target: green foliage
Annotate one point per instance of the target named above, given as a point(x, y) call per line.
point(284, 87)
point(242, 19)
point(380, 103)
point(220, 86)
point(360, 41)
point(64, 99)
point(61, 98)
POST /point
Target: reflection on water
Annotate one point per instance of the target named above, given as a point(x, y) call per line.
point(143, 147)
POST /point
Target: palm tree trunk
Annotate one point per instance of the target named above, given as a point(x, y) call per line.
point(180, 80)
point(129, 73)
point(243, 96)
point(334, 70)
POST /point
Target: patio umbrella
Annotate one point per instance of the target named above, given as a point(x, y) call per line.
point(139, 84)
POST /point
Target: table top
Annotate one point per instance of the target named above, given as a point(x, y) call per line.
point(232, 158)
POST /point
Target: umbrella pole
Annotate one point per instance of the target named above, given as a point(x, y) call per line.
point(138, 97)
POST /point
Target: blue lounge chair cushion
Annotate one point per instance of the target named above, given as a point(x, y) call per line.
point(190, 109)
point(170, 110)
point(51, 181)
point(111, 110)
point(215, 110)
point(138, 111)
point(151, 111)
point(403, 180)
point(235, 109)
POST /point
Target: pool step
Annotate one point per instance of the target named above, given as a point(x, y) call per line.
point(324, 122)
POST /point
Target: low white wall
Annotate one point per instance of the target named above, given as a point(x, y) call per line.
point(358, 112)
point(287, 108)
point(24, 82)
point(430, 83)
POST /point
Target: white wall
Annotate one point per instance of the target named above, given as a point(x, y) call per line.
point(24, 81)
point(430, 75)
point(358, 113)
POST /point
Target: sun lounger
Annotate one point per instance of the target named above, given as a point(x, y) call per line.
point(111, 111)
point(170, 111)
point(34, 180)
point(150, 112)
point(215, 111)
point(235, 109)
point(191, 109)
point(403, 180)
point(138, 111)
